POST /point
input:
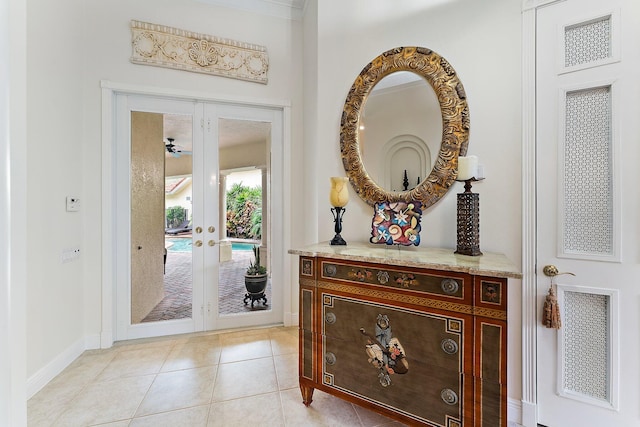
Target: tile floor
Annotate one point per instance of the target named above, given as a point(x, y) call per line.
point(207, 379)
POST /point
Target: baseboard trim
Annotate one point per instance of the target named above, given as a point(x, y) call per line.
point(37, 381)
point(529, 415)
point(106, 339)
point(92, 342)
point(294, 319)
point(514, 411)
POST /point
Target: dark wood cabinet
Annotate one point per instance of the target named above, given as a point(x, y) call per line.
point(418, 335)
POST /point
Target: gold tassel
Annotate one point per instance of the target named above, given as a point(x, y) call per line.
point(551, 313)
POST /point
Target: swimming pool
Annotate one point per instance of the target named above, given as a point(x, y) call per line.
point(237, 246)
point(179, 245)
point(184, 245)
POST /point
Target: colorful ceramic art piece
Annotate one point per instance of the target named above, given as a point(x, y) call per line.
point(396, 223)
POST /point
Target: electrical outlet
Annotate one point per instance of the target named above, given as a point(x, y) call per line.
point(73, 204)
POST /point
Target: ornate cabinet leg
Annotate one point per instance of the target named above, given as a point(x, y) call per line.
point(307, 394)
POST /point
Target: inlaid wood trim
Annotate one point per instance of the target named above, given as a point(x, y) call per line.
point(490, 313)
point(452, 286)
point(408, 299)
point(307, 282)
point(415, 300)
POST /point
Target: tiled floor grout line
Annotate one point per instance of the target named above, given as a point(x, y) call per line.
point(155, 377)
point(282, 341)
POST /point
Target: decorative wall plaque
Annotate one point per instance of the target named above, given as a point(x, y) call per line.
point(163, 46)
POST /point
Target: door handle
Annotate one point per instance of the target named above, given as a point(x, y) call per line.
point(211, 242)
point(211, 229)
point(198, 230)
point(198, 243)
point(552, 271)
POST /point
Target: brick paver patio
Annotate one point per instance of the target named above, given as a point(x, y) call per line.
point(178, 290)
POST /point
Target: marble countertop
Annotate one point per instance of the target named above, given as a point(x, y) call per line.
point(488, 264)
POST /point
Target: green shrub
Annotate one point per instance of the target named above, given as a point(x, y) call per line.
point(255, 267)
point(175, 215)
point(244, 212)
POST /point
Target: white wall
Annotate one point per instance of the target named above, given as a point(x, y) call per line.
point(179, 198)
point(73, 45)
point(55, 148)
point(304, 184)
point(481, 40)
point(13, 165)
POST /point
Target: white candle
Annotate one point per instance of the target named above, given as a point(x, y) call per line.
point(467, 167)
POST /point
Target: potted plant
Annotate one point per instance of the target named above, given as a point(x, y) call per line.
point(255, 279)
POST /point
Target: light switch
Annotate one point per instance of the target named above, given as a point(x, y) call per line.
point(73, 204)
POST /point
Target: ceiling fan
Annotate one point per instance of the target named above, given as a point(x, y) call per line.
point(173, 149)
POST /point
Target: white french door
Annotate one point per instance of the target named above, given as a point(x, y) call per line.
point(140, 225)
point(587, 91)
point(137, 256)
point(217, 118)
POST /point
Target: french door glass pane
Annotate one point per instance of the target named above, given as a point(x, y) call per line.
point(161, 216)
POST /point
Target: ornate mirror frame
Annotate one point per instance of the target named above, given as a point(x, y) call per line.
point(455, 124)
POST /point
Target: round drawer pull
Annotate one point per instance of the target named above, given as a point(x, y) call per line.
point(449, 286)
point(330, 270)
point(383, 277)
point(330, 358)
point(449, 346)
point(449, 396)
point(330, 318)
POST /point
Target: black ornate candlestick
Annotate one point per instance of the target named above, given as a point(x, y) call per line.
point(468, 221)
point(337, 218)
point(405, 181)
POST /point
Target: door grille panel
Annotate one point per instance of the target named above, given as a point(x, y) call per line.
point(586, 345)
point(588, 173)
point(587, 42)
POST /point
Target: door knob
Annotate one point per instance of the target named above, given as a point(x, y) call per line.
point(211, 242)
point(198, 230)
point(198, 243)
point(552, 271)
point(211, 229)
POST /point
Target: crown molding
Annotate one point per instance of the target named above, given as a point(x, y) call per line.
point(288, 9)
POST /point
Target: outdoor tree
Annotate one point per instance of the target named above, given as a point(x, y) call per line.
point(244, 212)
point(175, 216)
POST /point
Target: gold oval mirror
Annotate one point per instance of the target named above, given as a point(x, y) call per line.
point(455, 124)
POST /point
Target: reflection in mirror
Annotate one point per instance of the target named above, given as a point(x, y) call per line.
point(400, 130)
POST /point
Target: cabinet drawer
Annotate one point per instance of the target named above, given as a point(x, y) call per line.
point(430, 393)
point(448, 286)
point(429, 338)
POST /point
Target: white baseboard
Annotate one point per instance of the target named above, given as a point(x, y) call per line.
point(106, 339)
point(53, 368)
point(92, 342)
point(514, 411)
point(529, 417)
point(291, 319)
